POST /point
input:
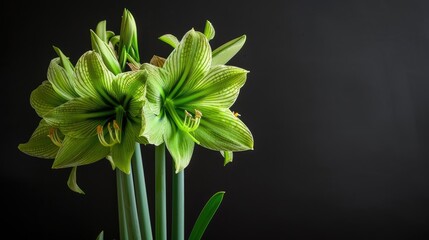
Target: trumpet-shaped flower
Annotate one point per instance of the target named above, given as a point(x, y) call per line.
point(188, 101)
point(92, 115)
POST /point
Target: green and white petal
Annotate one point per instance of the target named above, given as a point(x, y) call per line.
point(170, 40)
point(79, 151)
point(189, 62)
point(72, 182)
point(219, 88)
point(122, 153)
point(157, 86)
point(39, 144)
point(221, 130)
point(80, 117)
point(180, 146)
point(130, 88)
point(155, 126)
point(62, 82)
point(93, 79)
point(224, 53)
point(44, 98)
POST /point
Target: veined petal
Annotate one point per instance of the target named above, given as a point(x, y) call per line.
point(44, 98)
point(130, 89)
point(122, 153)
point(170, 40)
point(72, 182)
point(79, 117)
point(79, 151)
point(180, 146)
point(93, 77)
point(61, 81)
point(221, 130)
point(39, 144)
point(224, 53)
point(189, 62)
point(155, 126)
point(157, 86)
point(219, 88)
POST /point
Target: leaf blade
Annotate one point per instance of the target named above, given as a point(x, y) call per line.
point(206, 216)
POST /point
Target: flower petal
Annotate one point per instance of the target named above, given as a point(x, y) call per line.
point(62, 82)
point(155, 126)
point(79, 151)
point(40, 145)
point(130, 88)
point(224, 53)
point(72, 182)
point(219, 88)
point(189, 62)
point(157, 86)
point(44, 98)
point(122, 153)
point(170, 40)
point(221, 130)
point(93, 77)
point(180, 146)
point(79, 117)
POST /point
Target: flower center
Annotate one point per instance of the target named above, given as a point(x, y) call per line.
point(189, 124)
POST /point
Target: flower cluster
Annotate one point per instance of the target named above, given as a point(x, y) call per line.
point(100, 107)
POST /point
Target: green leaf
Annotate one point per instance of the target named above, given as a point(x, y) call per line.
point(101, 31)
point(122, 153)
point(61, 80)
point(65, 62)
point(170, 40)
point(206, 216)
point(100, 236)
point(224, 53)
point(71, 182)
point(93, 77)
point(189, 62)
point(219, 88)
point(39, 144)
point(44, 98)
point(180, 146)
point(228, 156)
point(209, 30)
point(106, 52)
point(221, 130)
point(79, 151)
point(79, 117)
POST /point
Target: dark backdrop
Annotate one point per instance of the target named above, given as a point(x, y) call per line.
point(337, 99)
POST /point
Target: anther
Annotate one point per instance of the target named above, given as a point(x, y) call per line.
point(55, 138)
point(113, 134)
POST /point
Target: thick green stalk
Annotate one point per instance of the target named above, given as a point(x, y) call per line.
point(121, 207)
point(160, 194)
point(178, 208)
point(130, 206)
point(141, 195)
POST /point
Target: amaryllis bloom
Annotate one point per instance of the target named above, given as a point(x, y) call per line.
point(188, 101)
point(91, 115)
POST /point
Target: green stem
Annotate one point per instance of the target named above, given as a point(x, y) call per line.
point(178, 208)
point(160, 194)
point(121, 208)
point(141, 195)
point(130, 205)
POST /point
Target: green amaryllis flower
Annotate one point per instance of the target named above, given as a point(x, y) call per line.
point(103, 117)
point(188, 102)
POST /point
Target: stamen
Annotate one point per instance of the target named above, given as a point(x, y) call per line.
point(191, 123)
point(113, 134)
point(236, 114)
point(55, 138)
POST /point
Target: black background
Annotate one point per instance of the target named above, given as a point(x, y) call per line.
point(337, 99)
